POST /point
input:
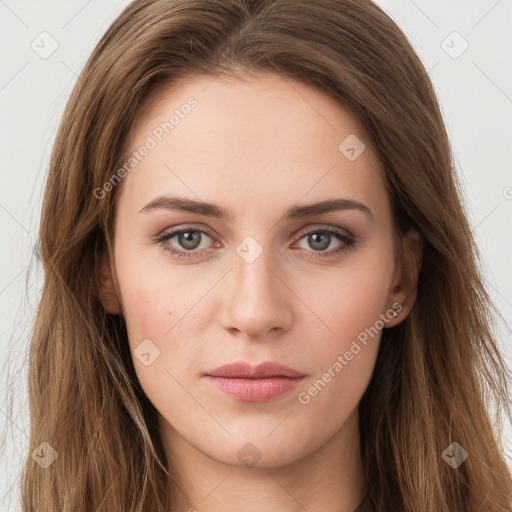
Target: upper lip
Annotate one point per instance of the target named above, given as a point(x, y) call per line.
point(246, 370)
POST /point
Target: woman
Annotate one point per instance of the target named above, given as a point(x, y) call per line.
point(261, 288)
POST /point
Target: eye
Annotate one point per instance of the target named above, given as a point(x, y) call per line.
point(189, 241)
point(321, 239)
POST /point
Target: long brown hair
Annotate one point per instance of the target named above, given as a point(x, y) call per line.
point(438, 372)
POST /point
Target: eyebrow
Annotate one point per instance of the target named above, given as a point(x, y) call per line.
point(295, 212)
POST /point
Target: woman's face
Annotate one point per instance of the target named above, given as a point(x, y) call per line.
point(309, 288)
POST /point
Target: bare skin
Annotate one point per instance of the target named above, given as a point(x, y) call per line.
point(257, 147)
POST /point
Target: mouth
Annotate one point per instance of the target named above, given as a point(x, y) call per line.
point(249, 383)
point(254, 390)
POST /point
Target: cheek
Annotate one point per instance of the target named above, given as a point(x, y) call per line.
point(154, 293)
point(344, 359)
point(349, 306)
point(147, 307)
point(161, 302)
point(348, 299)
point(155, 311)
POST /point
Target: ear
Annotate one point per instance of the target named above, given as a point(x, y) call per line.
point(108, 294)
point(405, 281)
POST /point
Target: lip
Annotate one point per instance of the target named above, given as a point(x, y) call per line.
point(249, 383)
point(241, 369)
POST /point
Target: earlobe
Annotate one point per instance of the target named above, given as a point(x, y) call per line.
point(405, 291)
point(108, 295)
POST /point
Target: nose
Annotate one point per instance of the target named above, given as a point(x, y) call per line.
point(258, 300)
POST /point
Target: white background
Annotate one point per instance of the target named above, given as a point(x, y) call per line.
point(475, 91)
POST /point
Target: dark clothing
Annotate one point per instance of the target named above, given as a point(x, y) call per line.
point(366, 506)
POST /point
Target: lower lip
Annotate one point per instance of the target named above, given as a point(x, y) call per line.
point(255, 390)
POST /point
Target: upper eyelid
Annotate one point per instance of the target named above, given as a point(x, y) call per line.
point(208, 231)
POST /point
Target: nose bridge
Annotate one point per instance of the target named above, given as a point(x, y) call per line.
point(251, 267)
point(255, 300)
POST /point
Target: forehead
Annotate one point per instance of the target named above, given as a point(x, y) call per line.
point(236, 141)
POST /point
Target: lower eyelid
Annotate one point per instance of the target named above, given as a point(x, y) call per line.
point(346, 241)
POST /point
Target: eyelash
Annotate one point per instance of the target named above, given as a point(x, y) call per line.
point(348, 242)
